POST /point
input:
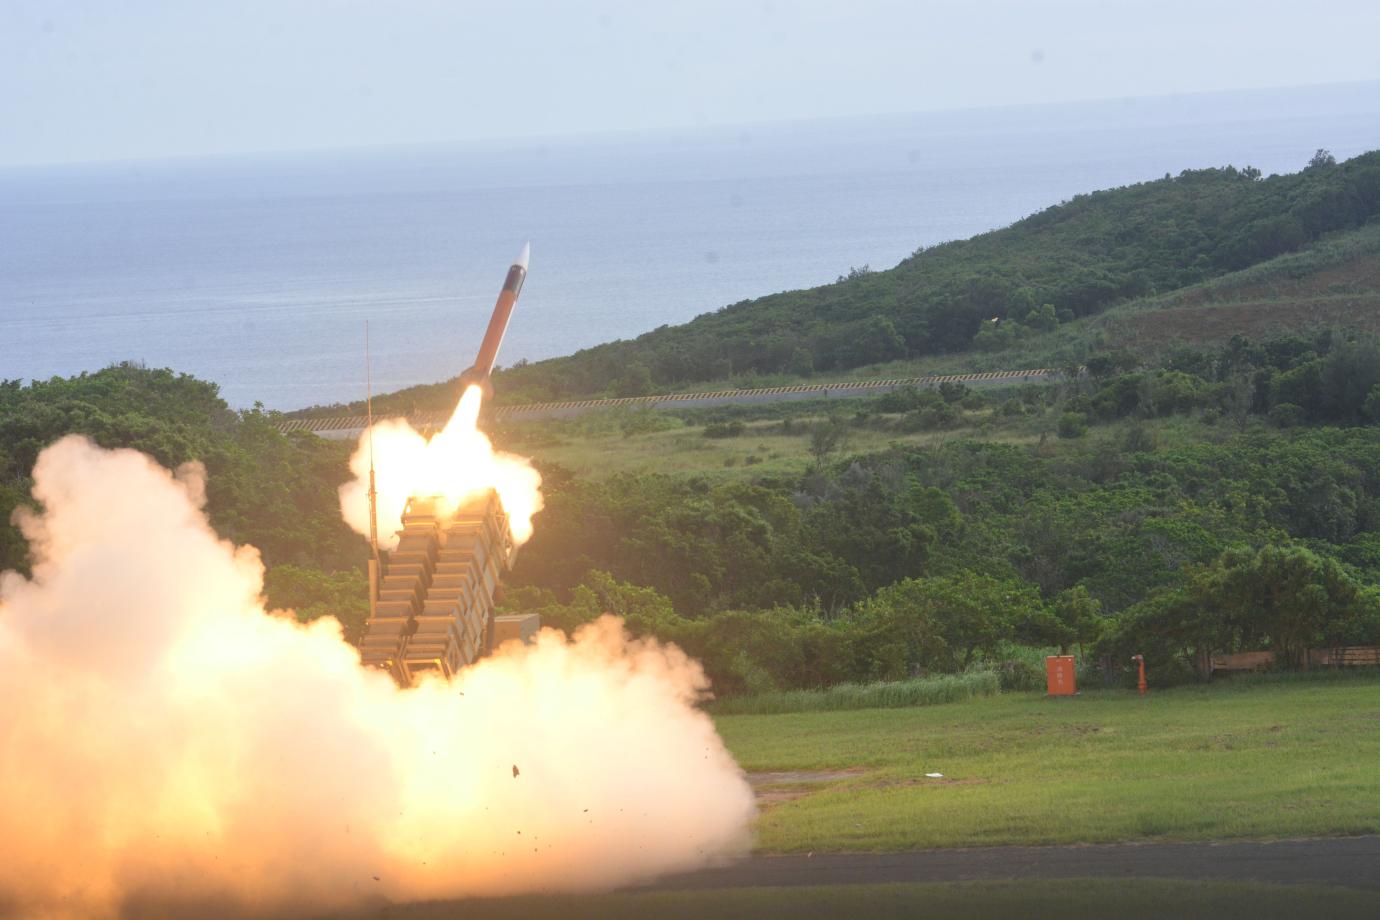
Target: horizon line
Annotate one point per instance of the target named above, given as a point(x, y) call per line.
point(631, 133)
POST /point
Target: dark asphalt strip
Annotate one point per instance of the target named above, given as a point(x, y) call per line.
point(1352, 862)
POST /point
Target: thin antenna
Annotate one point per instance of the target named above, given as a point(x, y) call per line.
point(369, 407)
point(375, 565)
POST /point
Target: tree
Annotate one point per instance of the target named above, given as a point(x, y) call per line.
point(966, 613)
point(1287, 415)
point(1042, 319)
point(1371, 407)
point(827, 438)
point(952, 391)
point(1284, 597)
point(1321, 159)
point(1238, 398)
point(636, 381)
point(310, 593)
point(1081, 615)
point(1073, 425)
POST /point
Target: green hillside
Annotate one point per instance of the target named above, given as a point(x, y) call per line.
point(1333, 283)
point(1210, 485)
point(1001, 293)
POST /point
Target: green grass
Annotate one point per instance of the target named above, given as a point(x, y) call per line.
point(1140, 899)
point(762, 450)
point(927, 691)
point(1263, 760)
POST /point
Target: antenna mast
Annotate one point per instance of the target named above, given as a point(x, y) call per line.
point(374, 563)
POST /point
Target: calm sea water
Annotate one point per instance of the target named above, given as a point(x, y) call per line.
point(259, 273)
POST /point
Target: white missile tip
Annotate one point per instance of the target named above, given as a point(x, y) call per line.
point(524, 256)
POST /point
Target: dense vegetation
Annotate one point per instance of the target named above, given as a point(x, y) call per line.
point(275, 492)
point(918, 560)
point(1229, 499)
point(1178, 504)
point(1067, 262)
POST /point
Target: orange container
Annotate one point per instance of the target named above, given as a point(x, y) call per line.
point(1059, 675)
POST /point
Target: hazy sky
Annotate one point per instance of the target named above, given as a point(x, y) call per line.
point(111, 79)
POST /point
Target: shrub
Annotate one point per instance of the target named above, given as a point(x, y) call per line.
point(646, 421)
point(724, 429)
point(1073, 425)
point(951, 391)
point(902, 399)
point(929, 418)
point(974, 401)
point(1019, 676)
point(1139, 440)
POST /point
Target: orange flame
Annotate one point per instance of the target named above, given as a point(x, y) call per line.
point(457, 464)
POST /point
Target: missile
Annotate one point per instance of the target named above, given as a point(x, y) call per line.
point(478, 373)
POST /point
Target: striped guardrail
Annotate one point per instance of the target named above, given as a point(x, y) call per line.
point(435, 419)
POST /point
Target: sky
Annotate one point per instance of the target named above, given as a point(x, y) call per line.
point(96, 80)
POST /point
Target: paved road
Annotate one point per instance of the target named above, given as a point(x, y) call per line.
point(1352, 862)
point(349, 427)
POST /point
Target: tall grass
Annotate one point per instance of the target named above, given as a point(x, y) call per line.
point(923, 691)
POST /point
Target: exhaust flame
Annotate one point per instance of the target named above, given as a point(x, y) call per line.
point(165, 740)
point(457, 464)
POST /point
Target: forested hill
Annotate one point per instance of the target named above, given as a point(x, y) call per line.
point(1079, 257)
point(1069, 261)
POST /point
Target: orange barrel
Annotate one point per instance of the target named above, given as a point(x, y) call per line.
point(1059, 675)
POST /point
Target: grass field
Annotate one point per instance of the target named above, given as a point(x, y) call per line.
point(1266, 760)
point(765, 450)
point(762, 450)
point(1142, 899)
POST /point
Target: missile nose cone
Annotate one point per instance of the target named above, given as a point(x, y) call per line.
point(524, 256)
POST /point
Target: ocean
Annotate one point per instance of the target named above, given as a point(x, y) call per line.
point(259, 272)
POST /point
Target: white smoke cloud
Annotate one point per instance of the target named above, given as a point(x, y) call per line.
point(163, 737)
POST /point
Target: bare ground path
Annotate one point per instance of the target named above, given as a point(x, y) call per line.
point(1352, 862)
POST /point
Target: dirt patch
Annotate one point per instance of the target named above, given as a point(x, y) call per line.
point(1083, 729)
point(1259, 319)
point(782, 777)
point(787, 786)
point(1356, 276)
point(777, 786)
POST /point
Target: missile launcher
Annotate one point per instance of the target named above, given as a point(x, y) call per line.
point(432, 598)
point(435, 601)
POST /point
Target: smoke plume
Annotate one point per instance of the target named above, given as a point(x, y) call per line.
point(165, 737)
